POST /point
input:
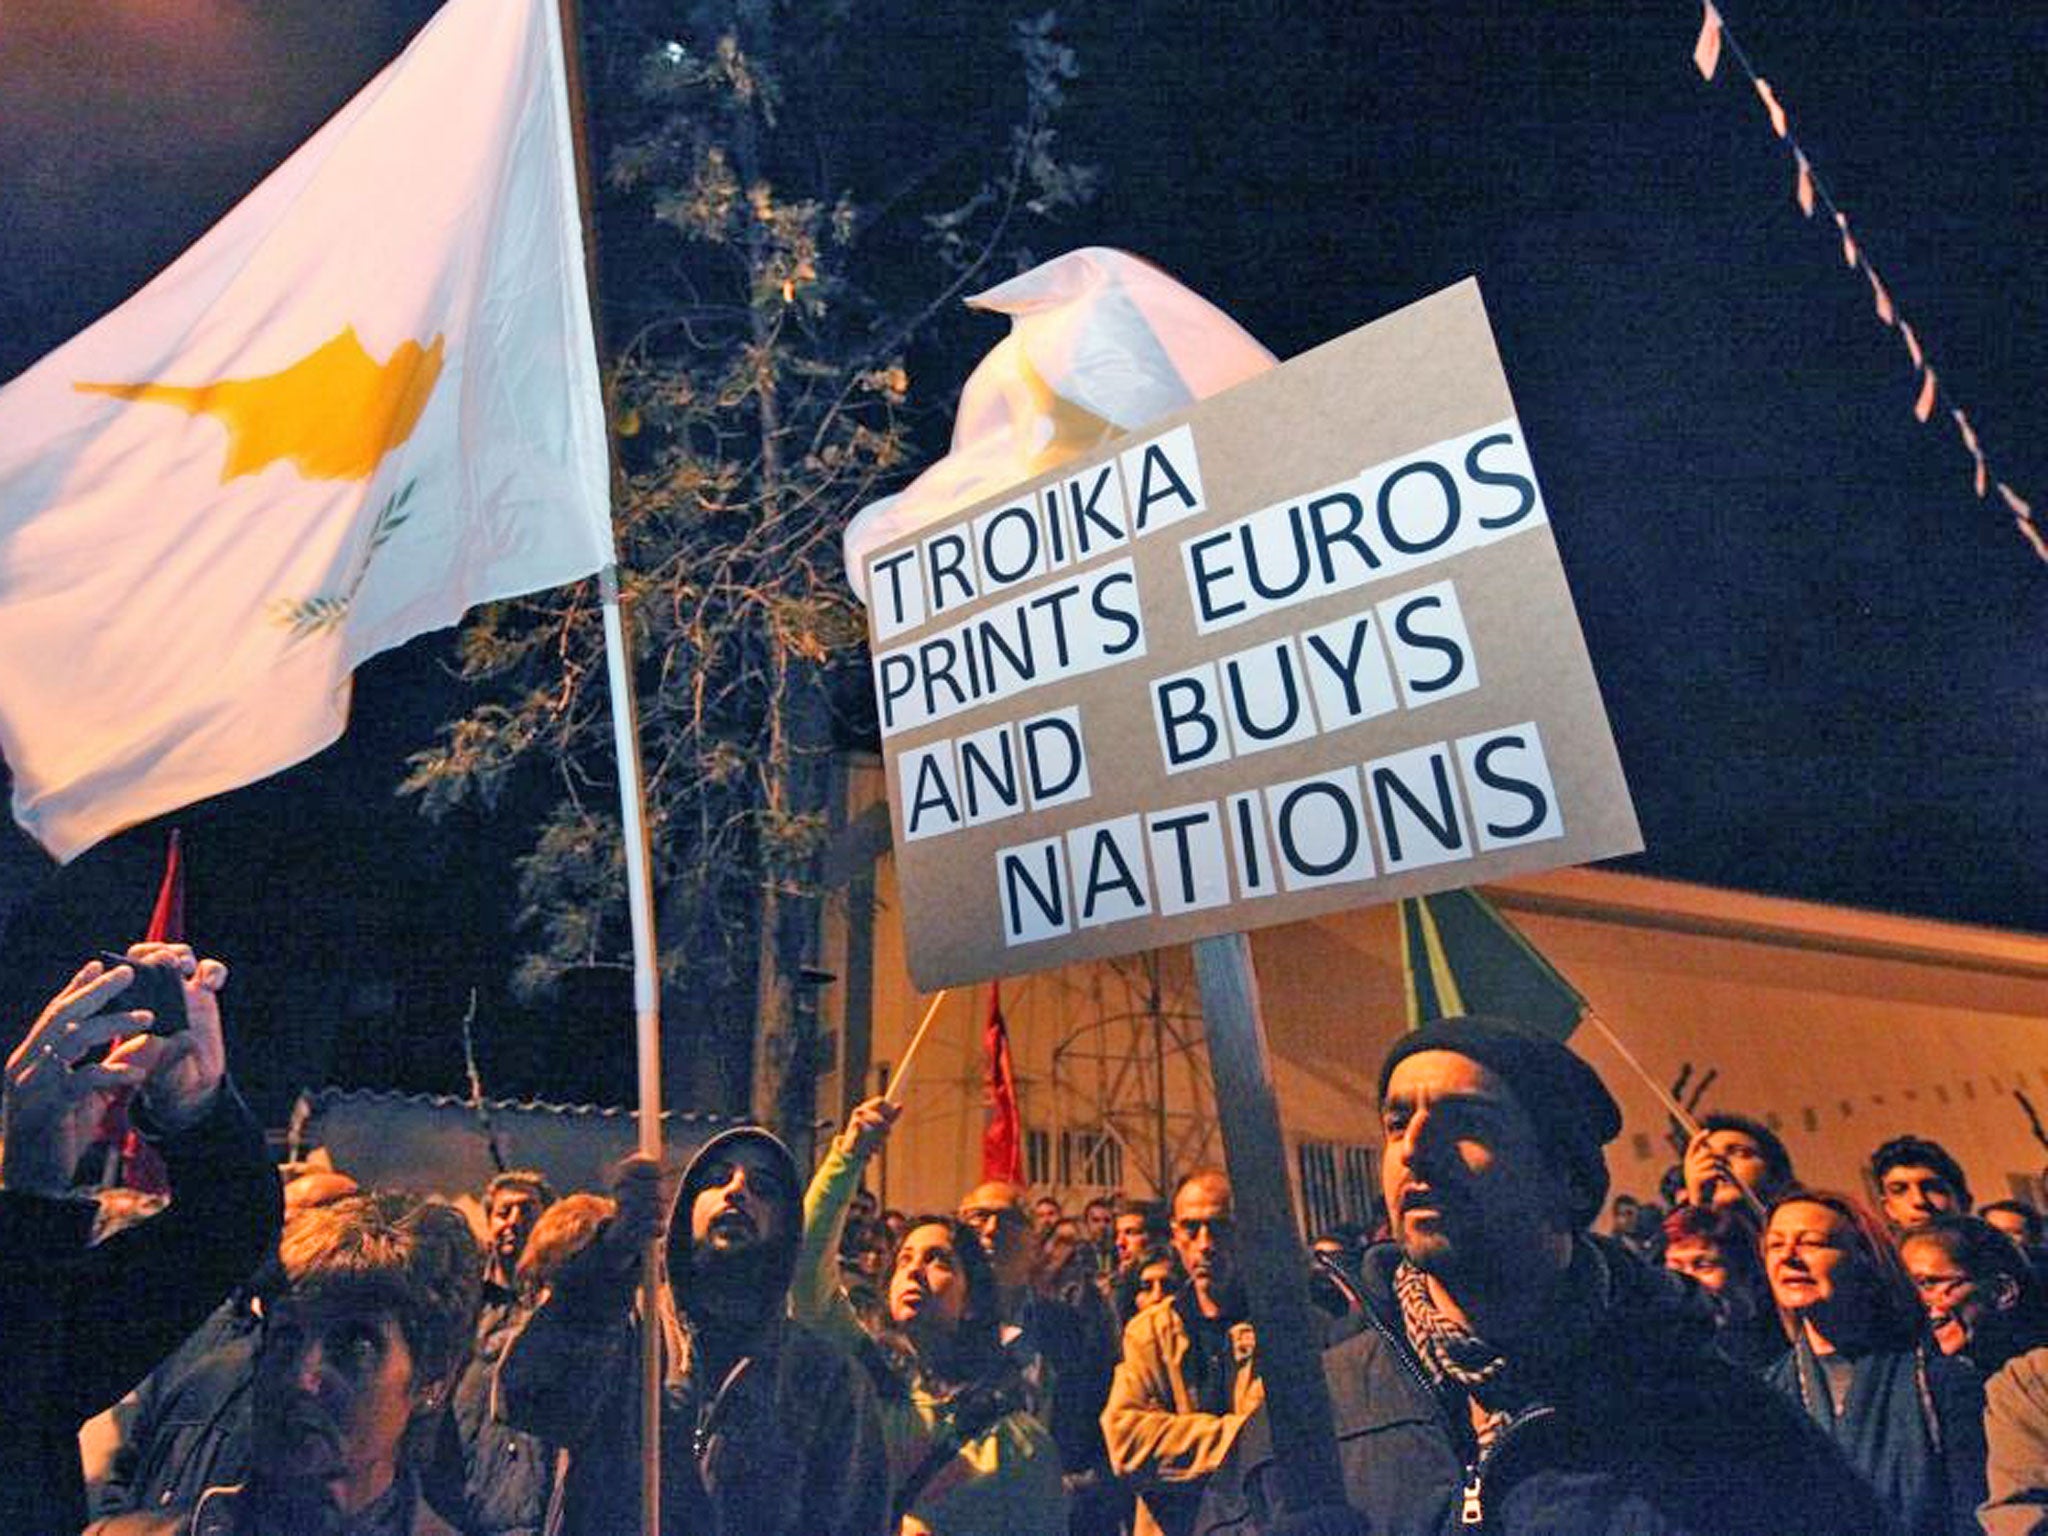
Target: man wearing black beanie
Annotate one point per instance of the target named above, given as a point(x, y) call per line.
point(1516, 1373)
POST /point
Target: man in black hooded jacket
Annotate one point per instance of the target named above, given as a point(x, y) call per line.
point(766, 1430)
point(1511, 1372)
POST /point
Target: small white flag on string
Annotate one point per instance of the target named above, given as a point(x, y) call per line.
point(1803, 189)
point(1912, 343)
point(1770, 100)
point(1880, 297)
point(1924, 406)
point(1706, 53)
point(2012, 499)
point(1848, 240)
point(364, 401)
point(1969, 435)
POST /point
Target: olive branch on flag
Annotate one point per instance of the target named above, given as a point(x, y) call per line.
point(316, 615)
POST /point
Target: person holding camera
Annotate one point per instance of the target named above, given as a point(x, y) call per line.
point(81, 1323)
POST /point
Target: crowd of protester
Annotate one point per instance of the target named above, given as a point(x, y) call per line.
point(266, 1355)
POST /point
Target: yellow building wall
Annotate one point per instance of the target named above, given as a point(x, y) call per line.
point(1841, 1027)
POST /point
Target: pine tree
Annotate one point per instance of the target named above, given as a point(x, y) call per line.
point(766, 277)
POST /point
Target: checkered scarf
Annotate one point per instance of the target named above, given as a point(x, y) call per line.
point(1461, 1363)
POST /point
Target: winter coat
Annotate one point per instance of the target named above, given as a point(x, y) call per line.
point(227, 1511)
point(785, 1443)
point(1645, 1432)
point(507, 1476)
point(80, 1325)
point(190, 1428)
point(1913, 1425)
point(2016, 1429)
point(1160, 1441)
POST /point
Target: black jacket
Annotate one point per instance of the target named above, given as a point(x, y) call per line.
point(786, 1441)
point(1646, 1432)
point(190, 1428)
point(81, 1325)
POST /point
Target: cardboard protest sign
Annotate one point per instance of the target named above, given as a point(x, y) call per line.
point(1304, 646)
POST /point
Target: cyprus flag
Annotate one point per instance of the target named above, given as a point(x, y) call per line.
point(364, 401)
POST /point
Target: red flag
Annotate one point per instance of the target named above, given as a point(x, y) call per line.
point(130, 1160)
point(167, 917)
point(1002, 1137)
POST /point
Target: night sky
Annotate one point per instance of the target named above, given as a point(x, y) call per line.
point(1820, 651)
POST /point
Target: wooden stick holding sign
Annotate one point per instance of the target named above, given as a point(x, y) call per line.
point(893, 1092)
point(1269, 1251)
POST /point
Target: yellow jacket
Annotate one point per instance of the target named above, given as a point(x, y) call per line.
point(1159, 1441)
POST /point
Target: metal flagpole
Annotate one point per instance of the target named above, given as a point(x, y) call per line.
point(1268, 1247)
point(646, 1028)
point(632, 824)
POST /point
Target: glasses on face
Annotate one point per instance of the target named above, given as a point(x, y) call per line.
point(987, 1218)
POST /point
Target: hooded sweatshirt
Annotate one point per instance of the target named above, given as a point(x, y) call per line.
point(766, 1428)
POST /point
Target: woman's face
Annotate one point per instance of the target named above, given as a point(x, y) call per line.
point(1155, 1283)
point(1810, 1257)
point(1956, 1304)
point(1700, 1258)
point(928, 1287)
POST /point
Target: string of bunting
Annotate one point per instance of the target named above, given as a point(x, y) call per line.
point(1811, 193)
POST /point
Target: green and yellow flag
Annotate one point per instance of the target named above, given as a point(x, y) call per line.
point(1459, 955)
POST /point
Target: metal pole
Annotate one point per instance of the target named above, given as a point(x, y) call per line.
point(1269, 1250)
point(632, 815)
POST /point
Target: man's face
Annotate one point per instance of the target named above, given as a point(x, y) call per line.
point(1045, 1215)
point(1205, 1235)
point(742, 1200)
point(1717, 1160)
point(928, 1287)
point(1955, 1303)
point(1913, 1193)
point(1469, 1191)
point(333, 1394)
point(1626, 1211)
point(997, 1218)
point(1130, 1238)
point(509, 1222)
point(1096, 1220)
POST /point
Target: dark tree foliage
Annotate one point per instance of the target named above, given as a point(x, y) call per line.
point(793, 199)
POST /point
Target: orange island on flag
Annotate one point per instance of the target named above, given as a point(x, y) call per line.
point(364, 401)
point(333, 414)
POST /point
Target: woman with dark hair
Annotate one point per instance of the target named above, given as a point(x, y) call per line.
point(1717, 1249)
point(966, 1456)
point(1982, 1301)
point(1908, 1418)
point(1152, 1279)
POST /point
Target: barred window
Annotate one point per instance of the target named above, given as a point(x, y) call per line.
point(1339, 1183)
point(1037, 1157)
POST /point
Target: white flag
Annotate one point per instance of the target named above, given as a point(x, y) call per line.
point(1706, 51)
point(1100, 342)
point(364, 401)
